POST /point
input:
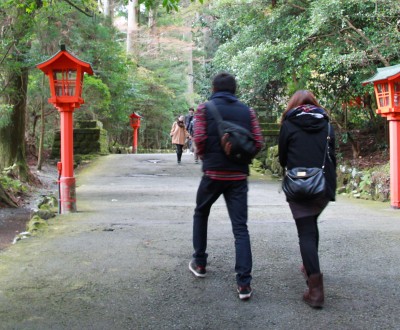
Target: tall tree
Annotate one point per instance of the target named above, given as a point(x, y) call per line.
point(328, 46)
point(133, 27)
point(17, 22)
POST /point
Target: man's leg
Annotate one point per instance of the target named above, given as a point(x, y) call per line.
point(207, 193)
point(236, 202)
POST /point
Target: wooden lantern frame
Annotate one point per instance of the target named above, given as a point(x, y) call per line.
point(134, 120)
point(65, 73)
point(387, 90)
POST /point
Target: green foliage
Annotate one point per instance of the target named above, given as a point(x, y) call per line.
point(366, 180)
point(36, 224)
point(169, 5)
point(326, 46)
point(14, 186)
point(97, 98)
point(5, 114)
point(154, 102)
point(371, 184)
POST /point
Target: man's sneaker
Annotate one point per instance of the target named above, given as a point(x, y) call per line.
point(198, 271)
point(244, 292)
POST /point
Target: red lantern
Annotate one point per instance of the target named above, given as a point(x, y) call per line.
point(65, 73)
point(387, 92)
point(135, 124)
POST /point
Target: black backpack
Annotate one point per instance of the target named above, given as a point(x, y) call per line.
point(237, 142)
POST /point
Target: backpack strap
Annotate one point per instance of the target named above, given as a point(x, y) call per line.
point(210, 105)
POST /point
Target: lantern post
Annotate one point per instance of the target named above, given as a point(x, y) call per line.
point(387, 92)
point(65, 73)
point(135, 124)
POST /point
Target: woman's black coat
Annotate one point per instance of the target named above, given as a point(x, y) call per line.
point(302, 143)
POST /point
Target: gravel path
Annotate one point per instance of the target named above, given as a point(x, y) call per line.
point(121, 261)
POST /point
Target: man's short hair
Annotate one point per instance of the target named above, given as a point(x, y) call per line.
point(224, 82)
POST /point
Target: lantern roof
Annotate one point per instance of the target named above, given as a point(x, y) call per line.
point(385, 73)
point(134, 115)
point(64, 60)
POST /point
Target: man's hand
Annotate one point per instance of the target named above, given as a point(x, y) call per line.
point(226, 145)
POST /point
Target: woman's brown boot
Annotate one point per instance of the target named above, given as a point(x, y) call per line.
point(304, 273)
point(314, 296)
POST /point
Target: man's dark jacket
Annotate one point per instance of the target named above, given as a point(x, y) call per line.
point(231, 109)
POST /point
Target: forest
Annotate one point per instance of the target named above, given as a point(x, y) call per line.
point(157, 58)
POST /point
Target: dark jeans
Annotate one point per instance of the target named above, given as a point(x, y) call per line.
point(235, 195)
point(307, 229)
point(179, 151)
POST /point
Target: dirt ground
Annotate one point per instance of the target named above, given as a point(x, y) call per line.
point(372, 149)
point(13, 220)
point(121, 261)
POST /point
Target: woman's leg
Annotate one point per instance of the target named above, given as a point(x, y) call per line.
point(179, 151)
point(307, 229)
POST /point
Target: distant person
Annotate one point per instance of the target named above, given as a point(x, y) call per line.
point(188, 121)
point(188, 118)
point(302, 143)
point(179, 134)
point(223, 177)
point(193, 144)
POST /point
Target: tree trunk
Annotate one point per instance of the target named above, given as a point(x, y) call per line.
point(106, 8)
point(152, 21)
point(41, 138)
point(190, 72)
point(5, 199)
point(12, 136)
point(109, 9)
point(133, 27)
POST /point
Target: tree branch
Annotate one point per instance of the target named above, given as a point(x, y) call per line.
point(296, 6)
point(5, 55)
point(368, 42)
point(79, 9)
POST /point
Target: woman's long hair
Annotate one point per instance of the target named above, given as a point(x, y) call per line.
point(299, 98)
point(181, 123)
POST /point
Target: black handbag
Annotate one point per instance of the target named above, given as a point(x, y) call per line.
point(302, 183)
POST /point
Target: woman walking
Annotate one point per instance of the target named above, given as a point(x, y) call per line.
point(179, 135)
point(302, 143)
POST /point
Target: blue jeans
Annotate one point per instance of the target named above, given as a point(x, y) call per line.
point(235, 195)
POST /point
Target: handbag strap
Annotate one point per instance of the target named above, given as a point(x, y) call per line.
point(328, 138)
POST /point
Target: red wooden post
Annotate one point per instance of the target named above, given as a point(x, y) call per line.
point(387, 91)
point(135, 124)
point(65, 73)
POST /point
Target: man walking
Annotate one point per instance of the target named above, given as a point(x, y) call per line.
point(188, 122)
point(223, 177)
point(189, 118)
